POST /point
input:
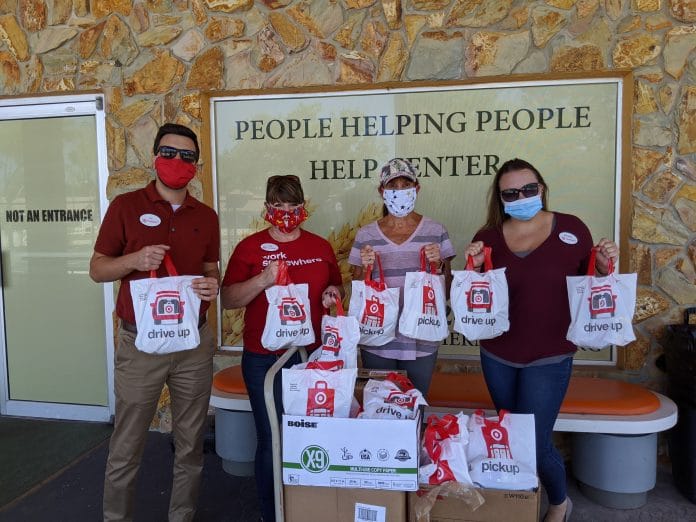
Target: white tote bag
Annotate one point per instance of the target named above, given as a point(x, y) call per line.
point(376, 308)
point(480, 300)
point(601, 308)
point(166, 311)
point(424, 315)
point(339, 339)
point(289, 318)
point(502, 451)
point(392, 398)
point(318, 393)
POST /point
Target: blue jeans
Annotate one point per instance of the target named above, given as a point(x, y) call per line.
point(538, 390)
point(254, 369)
point(419, 371)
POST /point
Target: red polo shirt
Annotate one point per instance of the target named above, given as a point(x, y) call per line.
point(141, 218)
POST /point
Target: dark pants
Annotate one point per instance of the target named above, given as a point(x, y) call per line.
point(254, 369)
point(419, 371)
point(539, 390)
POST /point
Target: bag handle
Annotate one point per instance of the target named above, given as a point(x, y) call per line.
point(487, 260)
point(339, 307)
point(593, 260)
point(432, 266)
point(283, 277)
point(482, 414)
point(437, 429)
point(401, 381)
point(376, 285)
point(340, 311)
point(168, 265)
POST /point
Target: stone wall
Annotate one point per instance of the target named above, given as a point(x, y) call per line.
point(152, 58)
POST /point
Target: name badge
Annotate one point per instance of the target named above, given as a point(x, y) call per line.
point(568, 238)
point(150, 220)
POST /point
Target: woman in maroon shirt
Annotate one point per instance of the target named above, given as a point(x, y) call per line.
point(527, 369)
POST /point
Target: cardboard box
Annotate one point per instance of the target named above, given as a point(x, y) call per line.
point(304, 504)
point(351, 453)
point(499, 505)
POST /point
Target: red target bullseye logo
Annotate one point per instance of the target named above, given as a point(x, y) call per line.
point(431, 294)
point(497, 434)
point(320, 398)
point(374, 308)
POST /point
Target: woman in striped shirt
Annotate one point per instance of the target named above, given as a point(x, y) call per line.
point(398, 238)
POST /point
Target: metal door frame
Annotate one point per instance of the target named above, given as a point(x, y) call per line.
point(56, 107)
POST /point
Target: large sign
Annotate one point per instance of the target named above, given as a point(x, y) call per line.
point(456, 134)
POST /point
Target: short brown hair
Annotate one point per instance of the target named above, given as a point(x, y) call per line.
point(179, 130)
point(284, 189)
point(496, 210)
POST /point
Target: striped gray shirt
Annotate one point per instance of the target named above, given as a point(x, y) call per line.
point(396, 261)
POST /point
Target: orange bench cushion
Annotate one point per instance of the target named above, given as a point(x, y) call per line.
point(230, 380)
point(586, 395)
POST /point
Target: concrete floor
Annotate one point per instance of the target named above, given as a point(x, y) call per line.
point(74, 495)
point(665, 504)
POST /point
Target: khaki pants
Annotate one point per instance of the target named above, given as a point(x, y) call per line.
point(138, 381)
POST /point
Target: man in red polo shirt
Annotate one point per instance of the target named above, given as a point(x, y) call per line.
point(137, 231)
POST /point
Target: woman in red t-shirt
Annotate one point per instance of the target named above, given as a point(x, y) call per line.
point(252, 268)
point(527, 369)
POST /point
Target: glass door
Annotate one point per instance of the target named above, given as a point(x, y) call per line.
point(56, 349)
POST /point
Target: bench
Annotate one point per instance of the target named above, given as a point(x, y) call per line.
point(614, 426)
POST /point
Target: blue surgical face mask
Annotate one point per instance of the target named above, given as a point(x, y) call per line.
point(523, 209)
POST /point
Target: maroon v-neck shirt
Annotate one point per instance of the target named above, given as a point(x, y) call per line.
point(539, 311)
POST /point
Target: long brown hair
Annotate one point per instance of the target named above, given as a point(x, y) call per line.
point(496, 210)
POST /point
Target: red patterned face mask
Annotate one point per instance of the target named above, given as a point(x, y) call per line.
point(174, 173)
point(285, 220)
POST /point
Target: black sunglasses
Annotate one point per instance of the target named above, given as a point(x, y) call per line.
point(512, 194)
point(167, 152)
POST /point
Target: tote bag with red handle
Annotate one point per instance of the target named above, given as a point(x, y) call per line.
point(601, 308)
point(480, 300)
point(166, 311)
point(376, 308)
